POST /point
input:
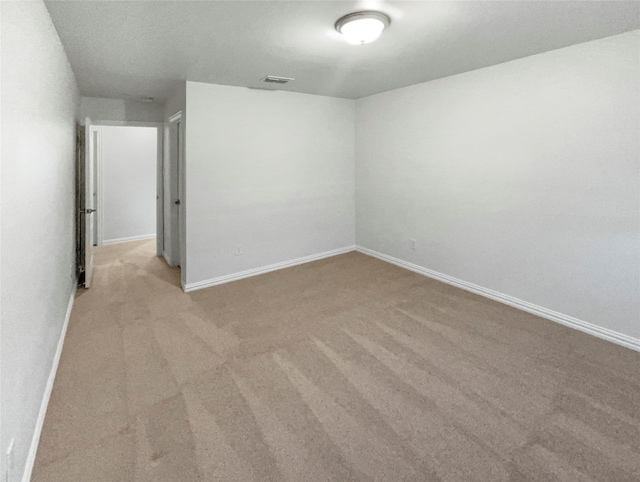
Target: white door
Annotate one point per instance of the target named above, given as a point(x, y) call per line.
point(90, 201)
point(178, 201)
point(160, 193)
point(172, 186)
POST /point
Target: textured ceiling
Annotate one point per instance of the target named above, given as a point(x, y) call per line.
point(127, 49)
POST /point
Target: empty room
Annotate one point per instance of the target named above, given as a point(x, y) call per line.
point(320, 241)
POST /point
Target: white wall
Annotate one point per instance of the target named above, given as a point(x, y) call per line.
point(271, 171)
point(101, 109)
point(39, 99)
point(522, 178)
point(128, 164)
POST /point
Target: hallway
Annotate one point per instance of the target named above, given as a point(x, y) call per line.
point(106, 363)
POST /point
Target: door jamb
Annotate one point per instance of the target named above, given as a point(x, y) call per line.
point(97, 170)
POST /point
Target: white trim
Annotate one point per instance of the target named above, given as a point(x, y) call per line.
point(130, 238)
point(156, 124)
point(265, 269)
point(98, 170)
point(175, 117)
point(584, 326)
point(35, 440)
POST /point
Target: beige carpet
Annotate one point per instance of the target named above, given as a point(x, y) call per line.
point(342, 369)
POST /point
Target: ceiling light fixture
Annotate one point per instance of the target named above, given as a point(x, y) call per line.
point(275, 79)
point(362, 27)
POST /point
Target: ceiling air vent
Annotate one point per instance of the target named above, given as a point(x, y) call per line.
point(274, 79)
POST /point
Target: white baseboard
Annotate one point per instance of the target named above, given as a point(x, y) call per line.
point(130, 238)
point(264, 269)
point(585, 326)
point(35, 440)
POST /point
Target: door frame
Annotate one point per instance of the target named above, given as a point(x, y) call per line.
point(89, 173)
point(159, 126)
point(95, 139)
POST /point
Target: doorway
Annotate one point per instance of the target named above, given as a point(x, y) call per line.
point(126, 186)
point(119, 184)
point(114, 188)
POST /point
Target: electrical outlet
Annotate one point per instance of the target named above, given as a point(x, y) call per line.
point(412, 243)
point(238, 249)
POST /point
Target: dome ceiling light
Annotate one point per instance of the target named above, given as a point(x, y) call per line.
point(275, 79)
point(362, 27)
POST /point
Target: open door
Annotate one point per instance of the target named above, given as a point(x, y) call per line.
point(173, 192)
point(160, 192)
point(90, 200)
point(80, 202)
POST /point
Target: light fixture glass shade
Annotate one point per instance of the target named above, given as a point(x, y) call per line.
point(362, 27)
